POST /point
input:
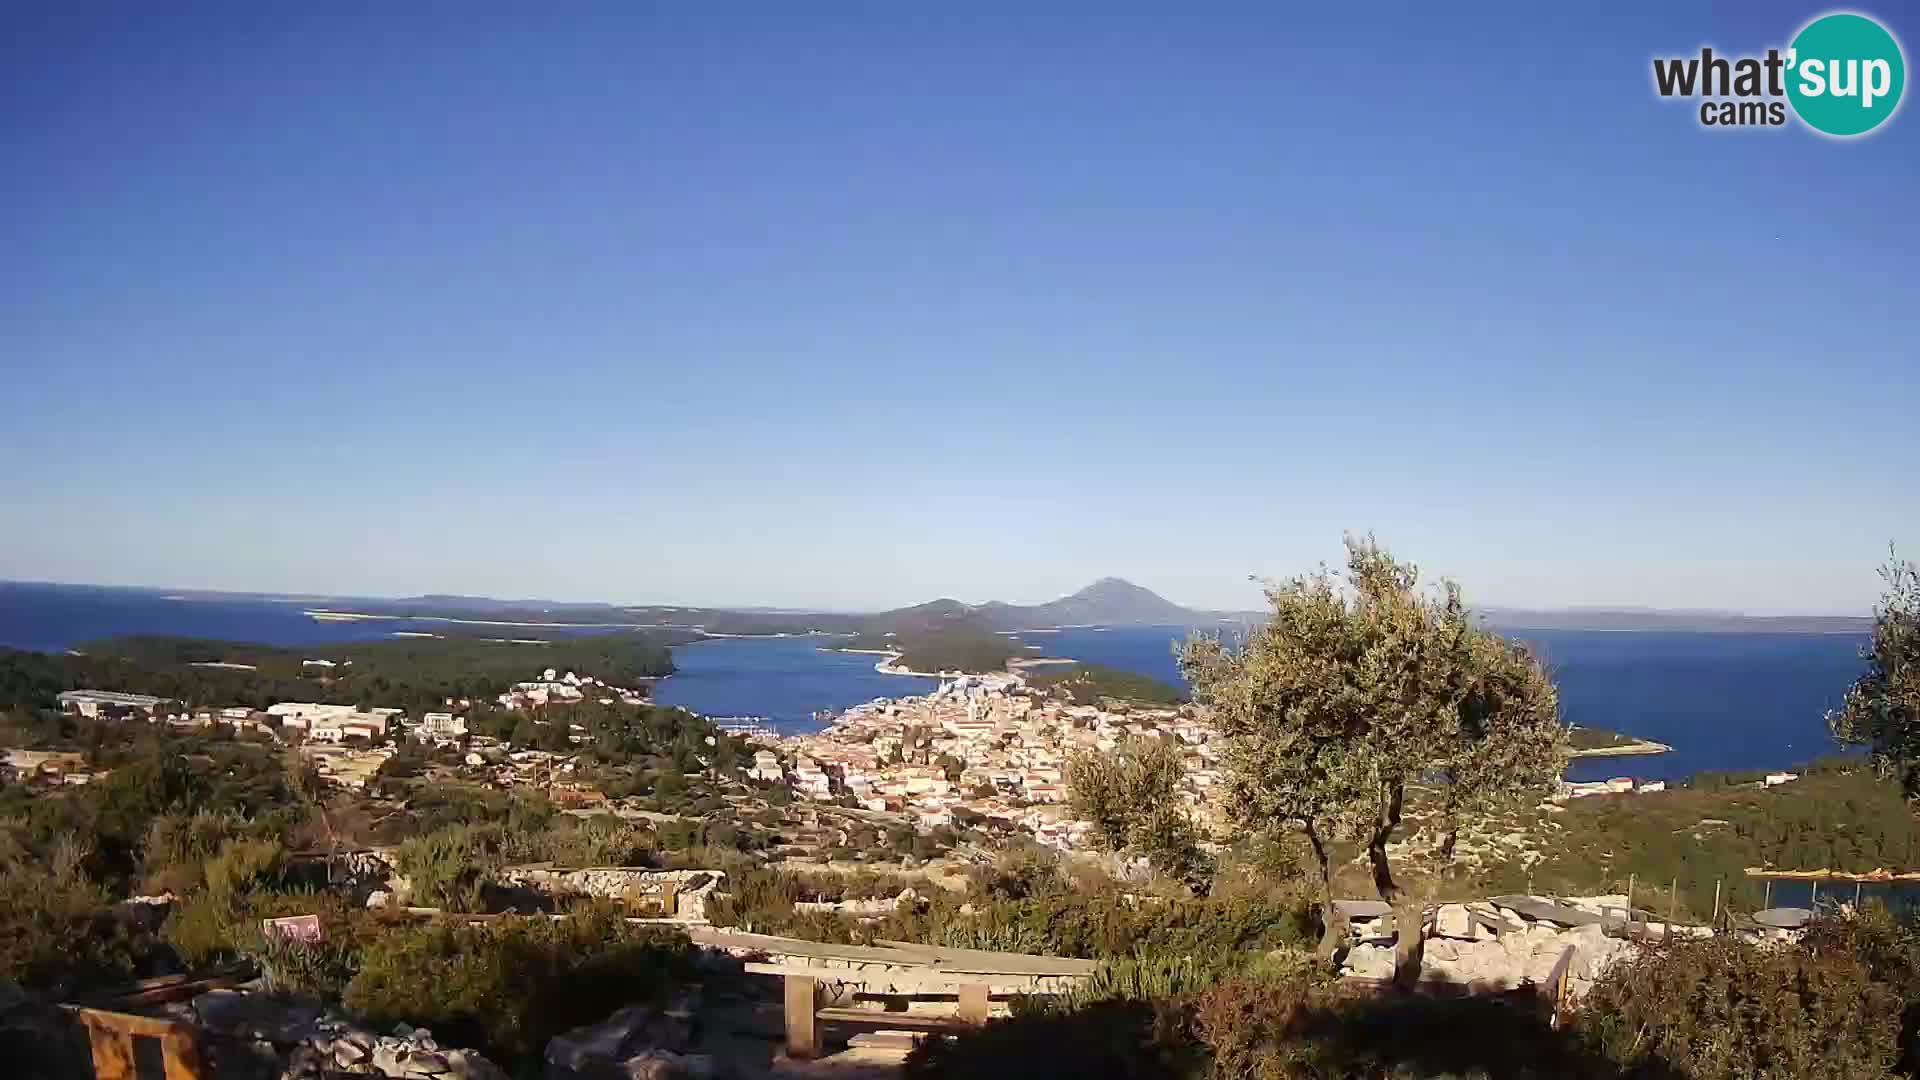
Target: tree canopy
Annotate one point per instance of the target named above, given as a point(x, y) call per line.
point(1882, 710)
point(1132, 796)
point(1362, 685)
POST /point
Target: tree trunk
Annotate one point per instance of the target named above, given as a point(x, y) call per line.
point(1409, 942)
point(1388, 821)
point(1409, 930)
point(1332, 932)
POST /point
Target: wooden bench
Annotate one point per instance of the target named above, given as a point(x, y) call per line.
point(803, 1010)
point(110, 1038)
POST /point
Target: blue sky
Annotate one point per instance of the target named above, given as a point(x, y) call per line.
point(859, 311)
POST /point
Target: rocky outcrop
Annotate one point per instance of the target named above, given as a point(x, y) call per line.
point(255, 1035)
point(336, 1048)
point(689, 889)
point(637, 1043)
point(875, 907)
point(1488, 948)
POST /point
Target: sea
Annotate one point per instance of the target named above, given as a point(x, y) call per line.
point(1726, 701)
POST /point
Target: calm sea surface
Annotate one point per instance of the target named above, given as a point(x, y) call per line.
point(1723, 701)
point(782, 679)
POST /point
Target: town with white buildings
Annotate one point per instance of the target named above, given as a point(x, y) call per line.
point(980, 751)
point(979, 747)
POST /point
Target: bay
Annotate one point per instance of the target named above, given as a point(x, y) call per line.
point(1728, 701)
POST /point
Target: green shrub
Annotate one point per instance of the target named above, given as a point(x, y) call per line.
point(178, 845)
point(511, 984)
point(1111, 1040)
point(243, 866)
point(451, 867)
point(1890, 951)
point(58, 929)
point(1719, 1008)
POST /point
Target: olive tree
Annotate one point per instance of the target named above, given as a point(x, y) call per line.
point(1132, 797)
point(1361, 691)
point(1882, 710)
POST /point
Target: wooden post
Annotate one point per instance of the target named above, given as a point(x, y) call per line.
point(1716, 904)
point(802, 1040)
point(1630, 881)
point(112, 1052)
point(182, 1057)
point(1814, 902)
point(1768, 902)
point(1856, 895)
point(110, 1038)
point(973, 1003)
point(1673, 905)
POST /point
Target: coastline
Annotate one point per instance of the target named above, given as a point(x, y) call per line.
point(1637, 748)
point(325, 615)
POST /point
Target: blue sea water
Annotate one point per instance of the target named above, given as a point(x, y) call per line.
point(1723, 701)
point(53, 618)
point(782, 679)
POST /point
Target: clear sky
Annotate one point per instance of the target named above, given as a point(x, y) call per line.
point(864, 311)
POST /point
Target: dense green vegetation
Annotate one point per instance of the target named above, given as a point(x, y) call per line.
point(409, 673)
point(1362, 689)
point(1593, 738)
point(1032, 902)
point(947, 648)
point(1132, 796)
point(1882, 710)
point(1838, 816)
point(1842, 1003)
point(1089, 684)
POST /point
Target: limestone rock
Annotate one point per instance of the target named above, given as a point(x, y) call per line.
point(665, 1065)
point(256, 1016)
point(1370, 962)
point(1453, 921)
point(604, 1049)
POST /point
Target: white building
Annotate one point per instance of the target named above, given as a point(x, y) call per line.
point(440, 727)
point(326, 722)
point(90, 702)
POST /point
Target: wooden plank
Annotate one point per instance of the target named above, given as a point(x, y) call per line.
point(803, 1041)
point(973, 1003)
point(715, 937)
point(1557, 990)
point(182, 1057)
point(985, 962)
point(151, 1027)
point(177, 991)
point(112, 1051)
point(901, 1020)
point(895, 980)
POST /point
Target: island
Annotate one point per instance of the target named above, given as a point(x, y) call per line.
point(1599, 742)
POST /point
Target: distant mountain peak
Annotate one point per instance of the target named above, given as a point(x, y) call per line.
point(1110, 600)
point(1115, 586)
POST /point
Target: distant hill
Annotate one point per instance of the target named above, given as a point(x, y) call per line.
point(1110, 601)
point(1645, 619)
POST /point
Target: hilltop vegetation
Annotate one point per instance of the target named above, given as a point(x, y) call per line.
point(952, 648)
point(1838, 816)
point(408, 672)
point(1593, 738)
point(1086, 684)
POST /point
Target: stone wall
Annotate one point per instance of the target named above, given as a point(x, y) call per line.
point(691, 888)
